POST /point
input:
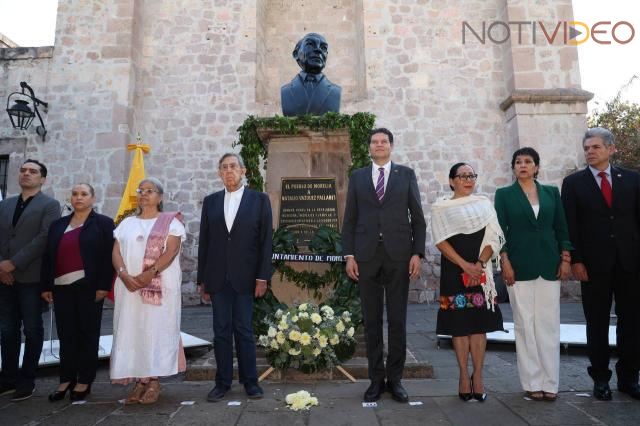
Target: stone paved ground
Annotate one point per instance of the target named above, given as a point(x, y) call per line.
point(340, 401)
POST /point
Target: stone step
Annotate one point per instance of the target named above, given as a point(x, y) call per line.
point(204, 368)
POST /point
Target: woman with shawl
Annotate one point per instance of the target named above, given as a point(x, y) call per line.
point(146, 318)
point(465, 229)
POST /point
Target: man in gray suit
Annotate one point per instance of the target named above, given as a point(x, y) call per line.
point(24, 223)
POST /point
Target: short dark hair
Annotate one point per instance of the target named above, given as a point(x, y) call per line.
point(43, 168)
point(453, 171)
point(381, 130)
point(527, 151)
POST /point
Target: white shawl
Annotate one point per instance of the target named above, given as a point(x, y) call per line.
point(466, 215)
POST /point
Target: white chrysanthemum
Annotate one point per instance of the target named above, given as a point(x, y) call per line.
point(274, 344)
point(280, 337)
point(278, 313)
point(304, 315)
point(305, 339)
point(302, 307)
point(322, 341)
point(263, 340)
point(334, 340)
point(327, 310)
point(315, 318)
point(294, 335)
point(340, 327)
point(272, 332)
point(316, 352)
point(294, 318)
point(282, 325)
point(350, 331)
point(294, 352)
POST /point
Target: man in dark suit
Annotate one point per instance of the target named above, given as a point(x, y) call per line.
point(24, 224)
point(383, 239)
point(234, 265)
point(310, 92)
point(602, 204)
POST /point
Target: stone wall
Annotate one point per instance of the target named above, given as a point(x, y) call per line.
point(186, 73)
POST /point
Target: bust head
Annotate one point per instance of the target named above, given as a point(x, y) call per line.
point(311, 53)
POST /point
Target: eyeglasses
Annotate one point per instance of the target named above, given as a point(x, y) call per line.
point(469, 178)
point(147, 191)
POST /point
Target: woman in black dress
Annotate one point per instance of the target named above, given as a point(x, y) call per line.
point(466, 230)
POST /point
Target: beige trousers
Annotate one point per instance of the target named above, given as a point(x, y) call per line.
point(536, 316)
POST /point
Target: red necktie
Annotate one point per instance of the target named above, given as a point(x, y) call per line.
point(605, 187)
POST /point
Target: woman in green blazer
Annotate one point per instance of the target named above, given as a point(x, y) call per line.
point(534, 260)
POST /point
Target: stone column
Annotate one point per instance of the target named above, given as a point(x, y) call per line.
point(308, 153)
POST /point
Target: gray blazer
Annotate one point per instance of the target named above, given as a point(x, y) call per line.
point(25, 244)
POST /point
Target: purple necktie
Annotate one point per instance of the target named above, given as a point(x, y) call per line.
point(380, 184)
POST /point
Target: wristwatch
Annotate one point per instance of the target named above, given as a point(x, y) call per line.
point(484, 264)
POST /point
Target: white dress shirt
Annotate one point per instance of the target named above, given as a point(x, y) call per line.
point(598, 178)
point(375, 173)
point(231, 204)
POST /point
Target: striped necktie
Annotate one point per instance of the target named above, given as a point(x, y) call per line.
point(380, 184)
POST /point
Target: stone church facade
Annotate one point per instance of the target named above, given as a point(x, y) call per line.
point(186, 73)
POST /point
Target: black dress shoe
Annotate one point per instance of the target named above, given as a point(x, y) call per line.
point(80, 395)
point(466, 396)
point(631, 389)
point(58, 395)
point(374, 391)
point(216, 394)
point(22, 393)
point(398, 392)
point(602, 391)
point(253, 391)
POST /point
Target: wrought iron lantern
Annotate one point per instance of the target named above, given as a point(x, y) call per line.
point(21, 114)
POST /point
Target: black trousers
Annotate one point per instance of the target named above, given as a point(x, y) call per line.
point(78, 318)
point(382, 278)
point(597, 295)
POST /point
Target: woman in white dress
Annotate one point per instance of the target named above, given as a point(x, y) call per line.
point(146, 319)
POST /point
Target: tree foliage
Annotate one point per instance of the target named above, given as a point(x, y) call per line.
point(623, 119)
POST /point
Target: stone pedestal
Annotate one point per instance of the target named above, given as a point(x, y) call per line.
point(306, 154)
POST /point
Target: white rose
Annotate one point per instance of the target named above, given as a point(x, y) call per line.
point(302, 307)
point(263, 340)
point(274, 344)
point(280, 337)
point(272, 332)
point(334, 340)
point(294, 318)
point(294, 335)
point(316, 352)
point(304, 315)
point(278, 313)
point(339, 327)
point(350, 331)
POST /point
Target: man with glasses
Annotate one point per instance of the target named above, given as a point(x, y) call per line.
point(234, 265)
point(24, 224)
point(383, 239)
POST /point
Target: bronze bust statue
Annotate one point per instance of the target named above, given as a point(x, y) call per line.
point(310, 92)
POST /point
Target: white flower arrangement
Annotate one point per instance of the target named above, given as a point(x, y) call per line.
point(308, 338)
point(301, 400)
